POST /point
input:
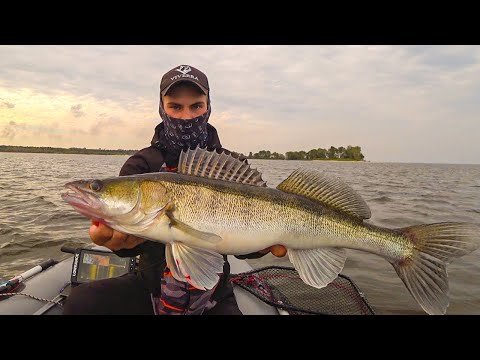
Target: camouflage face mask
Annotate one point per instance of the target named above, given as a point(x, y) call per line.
point(182, 134)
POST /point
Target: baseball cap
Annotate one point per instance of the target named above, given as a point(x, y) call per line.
point(184, 73)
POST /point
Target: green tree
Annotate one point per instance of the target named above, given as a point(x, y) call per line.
point(332, 152)
point(296, 155)
point(321, 153)
point(277, 156)
point(354, 153)
point(312, 154)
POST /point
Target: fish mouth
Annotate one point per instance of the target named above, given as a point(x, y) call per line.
point(82, 201)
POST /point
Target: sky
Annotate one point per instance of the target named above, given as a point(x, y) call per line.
point(398, 103)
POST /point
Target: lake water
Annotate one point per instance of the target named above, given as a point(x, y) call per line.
point(35, 222)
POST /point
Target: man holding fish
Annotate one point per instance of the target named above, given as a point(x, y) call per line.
point(185, 109)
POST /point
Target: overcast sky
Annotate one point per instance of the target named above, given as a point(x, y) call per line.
point(399, 103)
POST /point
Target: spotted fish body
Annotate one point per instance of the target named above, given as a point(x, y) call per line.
point(250, 219)
point(217, 205)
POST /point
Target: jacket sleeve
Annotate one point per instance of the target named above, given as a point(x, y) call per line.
point(255, 255)
point(137, 250)
point(136, 164)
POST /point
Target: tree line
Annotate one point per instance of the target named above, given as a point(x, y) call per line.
point(341, 153)
point(353, 153)
point(73, 150)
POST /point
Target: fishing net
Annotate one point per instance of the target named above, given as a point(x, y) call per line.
point(283, 288)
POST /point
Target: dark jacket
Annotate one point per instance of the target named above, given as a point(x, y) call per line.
point(152, 254)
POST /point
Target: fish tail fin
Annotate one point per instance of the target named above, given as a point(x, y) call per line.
point(424, 271)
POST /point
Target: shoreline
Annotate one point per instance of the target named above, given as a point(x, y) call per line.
point(53, 150)
point(61, 153)
point(127, 152)
point(326, 160)
point(99, 151)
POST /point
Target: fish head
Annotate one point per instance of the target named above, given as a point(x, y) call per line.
point(121, 200)
point(102, 199)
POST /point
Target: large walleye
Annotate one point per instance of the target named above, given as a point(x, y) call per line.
point(216, 204)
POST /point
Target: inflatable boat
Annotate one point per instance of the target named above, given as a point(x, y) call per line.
point(272, 290)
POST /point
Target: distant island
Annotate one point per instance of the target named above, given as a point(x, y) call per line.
point(54, 150)
point(350, 153)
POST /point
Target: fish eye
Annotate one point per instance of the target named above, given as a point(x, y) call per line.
point(95, 185)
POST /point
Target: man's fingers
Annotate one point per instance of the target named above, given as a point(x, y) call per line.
point(279, 250)
point(133, 241)
point(104, 235)
point(123, 241)
point(117, 241)
point(100, 234)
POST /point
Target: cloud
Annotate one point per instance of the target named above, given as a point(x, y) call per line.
point(110, 125)
point(77, 110)
point(11, 129)
point(8, 105)
point(400, 103)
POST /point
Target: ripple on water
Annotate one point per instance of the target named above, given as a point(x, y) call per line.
point(382, 199)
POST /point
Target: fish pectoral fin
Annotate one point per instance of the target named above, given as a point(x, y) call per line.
point(318, 267)
point(188, 233)
point(172, 264)
point(199, 267)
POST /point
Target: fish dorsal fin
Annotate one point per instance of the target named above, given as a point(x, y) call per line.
point(223, 166)
point(326, 190)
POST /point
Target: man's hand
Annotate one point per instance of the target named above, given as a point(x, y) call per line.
point(103, 235)
point(277, 250)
